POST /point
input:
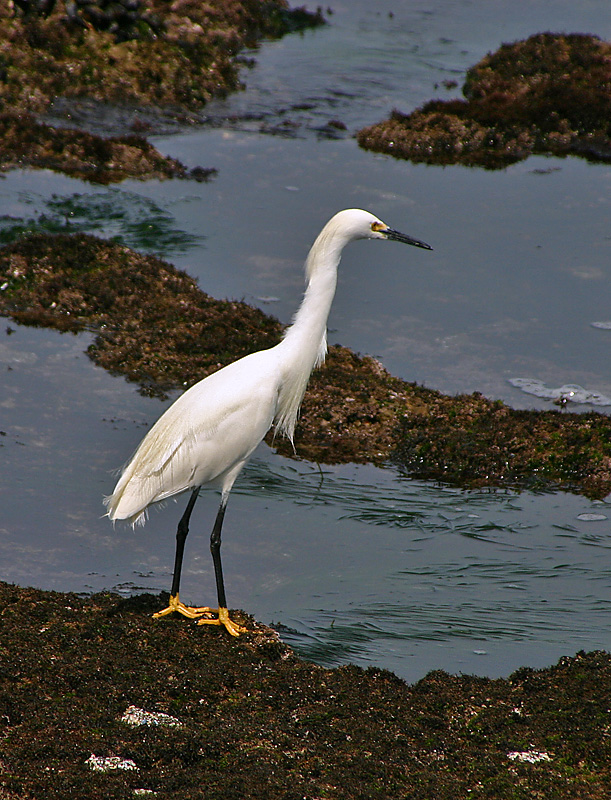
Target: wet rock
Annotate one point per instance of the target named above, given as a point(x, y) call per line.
point(124, 19)
point(547, 94)
point(35, 7)
point(148, 54)
point(24, 142)
point(252, 720)
point(153, 325)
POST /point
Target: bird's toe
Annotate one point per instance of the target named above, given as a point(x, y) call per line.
point(192, 612)
point(223, 619)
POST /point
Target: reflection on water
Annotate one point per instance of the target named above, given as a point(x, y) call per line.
point(352, 563)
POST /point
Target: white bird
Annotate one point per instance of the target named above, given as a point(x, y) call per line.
point(210, 432)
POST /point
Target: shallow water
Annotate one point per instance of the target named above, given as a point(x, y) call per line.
point(354, 563)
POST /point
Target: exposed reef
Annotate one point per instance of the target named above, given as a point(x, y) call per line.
point(153, 324)
point(24, 142)
point(178, 54)
point(549, 94)
point(131, 53)
point(186, 712)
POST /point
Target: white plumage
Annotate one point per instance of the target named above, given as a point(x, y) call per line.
point(210, 432)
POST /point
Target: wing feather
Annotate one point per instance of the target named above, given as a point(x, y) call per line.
point(204, 435)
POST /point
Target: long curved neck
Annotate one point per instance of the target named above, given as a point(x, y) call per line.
point(305, 342)
point(308, 332)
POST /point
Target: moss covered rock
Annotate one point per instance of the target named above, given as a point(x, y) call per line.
point(548, 94)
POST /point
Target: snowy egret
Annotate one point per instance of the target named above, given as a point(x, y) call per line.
point(210, 431)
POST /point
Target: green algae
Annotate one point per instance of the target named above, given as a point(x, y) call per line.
point(126, 217)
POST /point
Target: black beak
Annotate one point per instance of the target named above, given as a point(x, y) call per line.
point(395, 236)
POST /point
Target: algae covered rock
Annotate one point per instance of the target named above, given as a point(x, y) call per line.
point(548, 94)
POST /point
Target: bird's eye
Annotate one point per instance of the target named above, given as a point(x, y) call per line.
point(376, 227)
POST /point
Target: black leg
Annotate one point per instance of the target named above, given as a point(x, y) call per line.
point(215, 549)
point(222, 617)
point(181, 538)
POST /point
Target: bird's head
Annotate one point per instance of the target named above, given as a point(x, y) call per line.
point(359, 224)
point(345, 227)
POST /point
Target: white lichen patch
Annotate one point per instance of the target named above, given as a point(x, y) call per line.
point(107, 764)
point(529, 756)
point(138, 716)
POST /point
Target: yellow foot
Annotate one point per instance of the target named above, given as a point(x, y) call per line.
point(187, 611)
point(223, 619)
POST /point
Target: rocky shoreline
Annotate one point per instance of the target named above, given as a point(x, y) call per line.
point(98, 700)
point(134, 54)
point(548, 94)
point(154, 325)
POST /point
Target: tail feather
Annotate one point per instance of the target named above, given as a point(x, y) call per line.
point(115, 511)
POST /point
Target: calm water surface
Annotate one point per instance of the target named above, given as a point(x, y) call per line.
point(355, 564)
